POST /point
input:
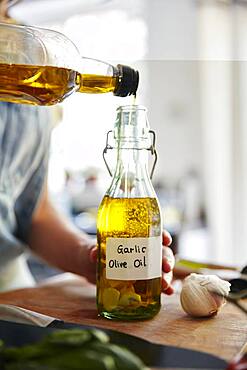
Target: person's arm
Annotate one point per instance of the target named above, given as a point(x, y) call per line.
point(57, 241)
point(61, 244)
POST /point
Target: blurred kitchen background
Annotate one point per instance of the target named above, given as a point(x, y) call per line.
point(192, 59)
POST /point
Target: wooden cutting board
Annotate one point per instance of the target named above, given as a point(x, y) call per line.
point(72, 299)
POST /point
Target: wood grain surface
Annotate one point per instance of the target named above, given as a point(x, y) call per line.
point(72, 299)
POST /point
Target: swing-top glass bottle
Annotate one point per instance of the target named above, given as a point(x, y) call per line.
point(129, 226)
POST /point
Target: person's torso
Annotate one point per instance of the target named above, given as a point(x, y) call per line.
point(23, 140)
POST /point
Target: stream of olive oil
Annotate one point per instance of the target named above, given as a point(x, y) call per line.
point(126, 218)
point(133, 104)
point(47, 85)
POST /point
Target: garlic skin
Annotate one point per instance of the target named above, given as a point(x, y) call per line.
point(203, 295)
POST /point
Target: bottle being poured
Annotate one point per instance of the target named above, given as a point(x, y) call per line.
point(43, 67)
point(129, 226)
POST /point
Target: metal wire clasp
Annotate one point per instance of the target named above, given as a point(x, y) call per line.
point(152, 150)
point(107, 146)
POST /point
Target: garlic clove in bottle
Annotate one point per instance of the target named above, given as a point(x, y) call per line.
point(203, 295)
point(127, 181)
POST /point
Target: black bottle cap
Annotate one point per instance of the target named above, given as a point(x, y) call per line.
point(128, 81)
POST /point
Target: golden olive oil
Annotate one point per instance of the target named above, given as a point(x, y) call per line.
point(96, 84)
point(47, 85)
point(127, 218)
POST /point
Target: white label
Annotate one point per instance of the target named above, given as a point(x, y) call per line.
point(133, 258)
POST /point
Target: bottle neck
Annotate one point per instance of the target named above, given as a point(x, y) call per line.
point(133, 142)
point(98, 77)
point(131, 178)
point(132, 161)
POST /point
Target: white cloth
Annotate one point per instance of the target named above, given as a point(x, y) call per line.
point(16, 275)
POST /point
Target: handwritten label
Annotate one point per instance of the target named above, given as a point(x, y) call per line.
point(133, 258)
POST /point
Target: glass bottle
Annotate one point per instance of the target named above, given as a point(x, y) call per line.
point(129, 226)
point(43, 67)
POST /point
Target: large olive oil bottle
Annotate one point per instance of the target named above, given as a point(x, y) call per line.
point(43, 67)
point(48, 85)
point(129, 227)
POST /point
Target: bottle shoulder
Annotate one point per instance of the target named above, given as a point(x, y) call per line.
point(131, 185)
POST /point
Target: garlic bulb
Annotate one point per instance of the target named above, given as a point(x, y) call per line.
point(203, 295)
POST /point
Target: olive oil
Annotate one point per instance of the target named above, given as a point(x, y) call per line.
point(96, 84)
point(47, 85)
point(128, 218)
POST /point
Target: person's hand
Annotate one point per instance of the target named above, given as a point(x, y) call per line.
point(168, 262)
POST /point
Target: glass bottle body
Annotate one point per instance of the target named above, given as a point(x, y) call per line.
point(43, 67)
point(129, 241)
